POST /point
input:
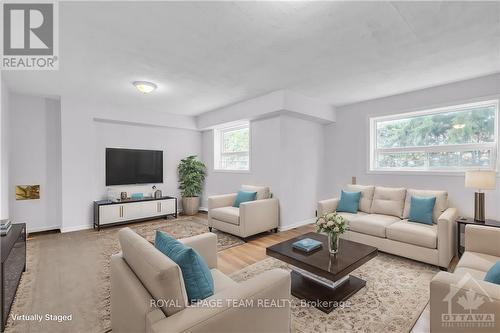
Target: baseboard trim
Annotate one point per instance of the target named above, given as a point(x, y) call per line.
point(76, 228)
point(296, 225)
point(41, 229)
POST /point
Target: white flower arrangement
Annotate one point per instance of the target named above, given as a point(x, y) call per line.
point(331, 223)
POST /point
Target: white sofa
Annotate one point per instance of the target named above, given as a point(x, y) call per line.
point(382, 221)
point(250, 218)
point(148, 294)
point(482, 251)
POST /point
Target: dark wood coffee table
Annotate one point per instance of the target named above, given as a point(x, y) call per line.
point(322, 278)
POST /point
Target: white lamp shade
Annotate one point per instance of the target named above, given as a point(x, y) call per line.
point(480, 179)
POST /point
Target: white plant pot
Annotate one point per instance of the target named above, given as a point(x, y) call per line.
point(190, 205)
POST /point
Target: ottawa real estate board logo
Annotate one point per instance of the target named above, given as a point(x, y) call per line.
point(30, 35)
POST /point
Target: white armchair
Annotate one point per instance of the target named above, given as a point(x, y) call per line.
point(250, 218)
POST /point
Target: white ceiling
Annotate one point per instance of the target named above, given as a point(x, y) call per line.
point(206, 55)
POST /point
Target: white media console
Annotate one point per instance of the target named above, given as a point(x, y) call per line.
point(108, 212)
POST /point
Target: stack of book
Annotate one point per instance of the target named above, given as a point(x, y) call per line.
point(307, 245)
point(5, 226)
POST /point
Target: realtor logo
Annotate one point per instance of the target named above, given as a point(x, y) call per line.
point(30, 36)
point(468, 308)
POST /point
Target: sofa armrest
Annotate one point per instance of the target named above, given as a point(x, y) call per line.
point(445, 292)
point(327, 206)
point(482, 239)
point(447, 236)
point(206, 245)
point(258, 216)
point(261, 304)
point(223, 200)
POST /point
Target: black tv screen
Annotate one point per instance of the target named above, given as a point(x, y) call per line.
point(133, 166)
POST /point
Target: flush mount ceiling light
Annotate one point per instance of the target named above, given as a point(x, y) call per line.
point(145, 87)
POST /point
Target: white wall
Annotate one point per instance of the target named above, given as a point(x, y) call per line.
point(286, 154)
point(175, 144)
point(84, 139)
point(35, 159)
point(4, 150)
point(346, 146)
point(301, 169)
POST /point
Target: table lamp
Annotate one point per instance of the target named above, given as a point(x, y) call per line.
point(480, 180)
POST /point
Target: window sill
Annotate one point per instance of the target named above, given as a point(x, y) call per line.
point(231, 171)
point(458, 173)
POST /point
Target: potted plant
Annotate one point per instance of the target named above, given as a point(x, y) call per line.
point(333, 225)
point(191, 176)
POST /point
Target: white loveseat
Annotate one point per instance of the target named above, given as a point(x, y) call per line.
point(382, 221)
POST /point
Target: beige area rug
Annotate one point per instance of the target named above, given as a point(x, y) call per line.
point(36, 289)
point(396, 292)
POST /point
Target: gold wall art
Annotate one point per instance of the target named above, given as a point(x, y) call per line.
point(27, 192)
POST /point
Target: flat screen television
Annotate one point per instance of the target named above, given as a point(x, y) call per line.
point(133, 166)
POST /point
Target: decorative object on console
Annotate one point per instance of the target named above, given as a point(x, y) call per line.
point(191, 176)
point(5, 226)
point(156, 192)
point(480, 180)
point(123, 195)
point(136, 196)
point(333, 225)
point(27, 192)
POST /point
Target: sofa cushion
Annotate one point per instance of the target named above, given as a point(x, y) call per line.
point(158, 273)
point(388, 201)
point(222, 281)
point(493, 274)
point(413, 233)
point(226, 214)
point(478, 261)
point(243, 196)
point(349, 202)
point(421, 209)
point(372, 224)
point(195, 272)
point(263, 192)
point(365, 203)
point(350, 216)
point(440, 206)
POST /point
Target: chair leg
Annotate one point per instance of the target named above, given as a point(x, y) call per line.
point(275, 230)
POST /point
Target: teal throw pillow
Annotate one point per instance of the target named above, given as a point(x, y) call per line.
point(243, 196)
point(421, 209)
point(349, 202)
point(197, 277)
point(493, 274)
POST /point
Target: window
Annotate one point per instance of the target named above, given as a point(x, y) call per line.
point(446, 139)
point(232, 148)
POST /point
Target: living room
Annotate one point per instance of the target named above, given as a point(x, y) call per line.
point(232, 131)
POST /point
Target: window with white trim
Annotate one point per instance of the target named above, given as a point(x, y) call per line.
point(454, 138)
point(232, 148)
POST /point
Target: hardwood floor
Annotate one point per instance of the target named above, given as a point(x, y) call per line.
point(254, 250)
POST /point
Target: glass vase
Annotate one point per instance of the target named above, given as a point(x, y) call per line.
point(333, 242)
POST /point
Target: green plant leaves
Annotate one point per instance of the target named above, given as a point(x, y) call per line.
point(192, 174)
